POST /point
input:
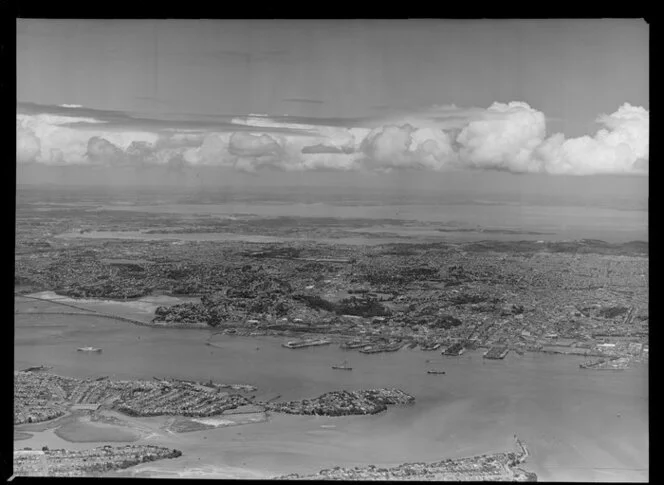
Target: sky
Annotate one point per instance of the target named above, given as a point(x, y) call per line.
point(301, 100)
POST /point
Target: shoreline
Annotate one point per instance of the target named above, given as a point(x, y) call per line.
point(567, 291)
point(292, 427)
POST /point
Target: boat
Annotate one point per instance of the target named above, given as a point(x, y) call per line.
point(37, 368)
point(433, 371)
point(88, 349)
point(343, 366)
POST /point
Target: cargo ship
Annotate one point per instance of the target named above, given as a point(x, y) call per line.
point(37, 368)
point(343, 366)
point(88, 349)
point(433, 371)
point(298, 344)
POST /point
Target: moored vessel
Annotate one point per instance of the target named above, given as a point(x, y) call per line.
point(343, 366)
point(88, 349)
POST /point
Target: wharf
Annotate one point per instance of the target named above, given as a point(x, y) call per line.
point(382, 348)
point(299, 344)
point(454, 350)
point(496, 353)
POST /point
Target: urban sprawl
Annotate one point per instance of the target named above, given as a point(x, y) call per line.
point(585, 297)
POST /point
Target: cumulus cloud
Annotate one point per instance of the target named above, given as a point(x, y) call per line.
point(62, 143)
point(139, 153)
point(248, 145)
point(28, 146)
point(104, 152)
point(623, 146)
point(212, 151)
point(504, 138)
point(510, 137)
point(398, 147)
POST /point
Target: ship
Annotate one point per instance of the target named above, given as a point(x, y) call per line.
point(343, 366)
point(88, 349)
point(433, 371)
point(37, 368)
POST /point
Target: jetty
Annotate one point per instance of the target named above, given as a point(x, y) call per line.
point(497, 352)
point(354, 344)
point(375, 349)
point(454, 350)
point(616, 364)
point(299, 344)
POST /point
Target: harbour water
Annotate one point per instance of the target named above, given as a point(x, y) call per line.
point(578, 424)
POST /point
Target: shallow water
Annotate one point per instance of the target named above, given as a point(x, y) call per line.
point(225, 237)
point(568, 416)
point(611, 225)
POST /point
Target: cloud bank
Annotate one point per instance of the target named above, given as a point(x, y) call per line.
point(509, 137)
